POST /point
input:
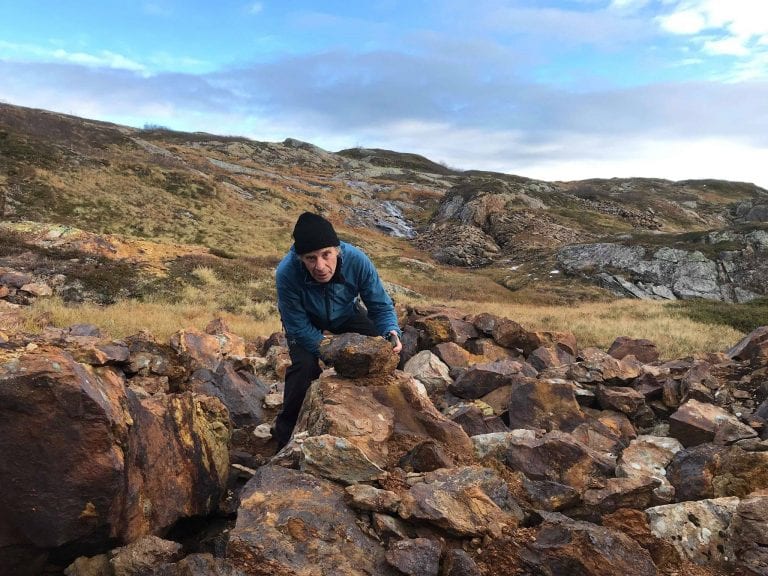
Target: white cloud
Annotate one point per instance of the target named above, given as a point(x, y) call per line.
point(104, 59)
point(683, 22)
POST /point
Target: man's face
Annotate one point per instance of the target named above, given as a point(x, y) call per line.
point(321, 263)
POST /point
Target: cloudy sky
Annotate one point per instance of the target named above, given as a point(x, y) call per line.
point(555, 89)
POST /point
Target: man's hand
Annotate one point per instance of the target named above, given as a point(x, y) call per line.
point(397, 345)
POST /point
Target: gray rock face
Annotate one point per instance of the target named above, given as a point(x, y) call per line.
point(670, 273)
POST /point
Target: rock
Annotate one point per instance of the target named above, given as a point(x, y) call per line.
point(544, 404)
point(93, 566)
point(485, 350)
point(697, 422)
point(644, 350)
point(545, 357)
point(241, 392)
point(177, 462)
point(425, 457)
point(496, 443)
point(415, 557)
point(558, 457)
point(620, 398)
point(550, 496)
point(354, 355)
point(456, 562)
point(597, 366)
point(143, 556)
point(468, 501)
point(200, 350)
point(430, 371)
point(452, 355)
point(635, 492)
point(709, 471)
point(290, 522)
point(480, 379)
point(445, 326)
point(751, 345)
point(201, 565)
point(365, 497)
point(473, 421)
point(650, 456)
point(747, 540)
point(635, 524)
point(698, 530)
point(37, 289)
point(509, 334)
point(62, 432)
point(337, 459)
point(565, 546)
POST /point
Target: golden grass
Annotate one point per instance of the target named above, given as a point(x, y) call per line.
point(162, 319)
point(600, 323)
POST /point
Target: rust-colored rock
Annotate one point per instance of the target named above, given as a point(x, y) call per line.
point(621, 398)
point(290, 522)
point(544, 404)
point(480, 379)
point(565, 546)
point(644, 350)
point(354, 355)
point(697, 422)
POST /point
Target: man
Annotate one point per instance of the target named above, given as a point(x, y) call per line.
point(319, 282)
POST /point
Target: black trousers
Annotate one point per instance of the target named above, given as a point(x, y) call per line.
point(305, 368)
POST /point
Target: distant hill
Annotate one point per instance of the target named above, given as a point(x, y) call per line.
point(238, 198)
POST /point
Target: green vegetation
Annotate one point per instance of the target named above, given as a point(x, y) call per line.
point(743, 317)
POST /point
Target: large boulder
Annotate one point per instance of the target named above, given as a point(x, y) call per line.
point(290, 522)
point(85, 459)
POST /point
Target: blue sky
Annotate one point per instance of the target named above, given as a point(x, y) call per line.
point(556, 89)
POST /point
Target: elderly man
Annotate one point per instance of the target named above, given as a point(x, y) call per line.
point(319, 284)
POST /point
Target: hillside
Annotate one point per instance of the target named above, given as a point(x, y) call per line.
point(165, 202)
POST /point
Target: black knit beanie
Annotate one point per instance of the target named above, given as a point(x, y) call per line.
point(313, 232)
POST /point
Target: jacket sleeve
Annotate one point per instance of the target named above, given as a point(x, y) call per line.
point(381, 309)
point(298, 328)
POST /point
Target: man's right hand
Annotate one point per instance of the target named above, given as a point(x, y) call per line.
point(397, 345)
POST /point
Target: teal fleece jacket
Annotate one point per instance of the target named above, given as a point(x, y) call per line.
point(308, 307)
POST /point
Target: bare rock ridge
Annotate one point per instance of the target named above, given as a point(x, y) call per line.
point(493, 450)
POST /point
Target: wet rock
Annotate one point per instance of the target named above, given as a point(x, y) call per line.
point(565, 546)
point(354, 355)
point(698, 530)
point(468, 501)
point(544, 404)
point(415, 557)
point(290, 522)
point(644, 350)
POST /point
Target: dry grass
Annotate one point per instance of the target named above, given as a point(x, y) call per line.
point(160, 318)
point(600, 323)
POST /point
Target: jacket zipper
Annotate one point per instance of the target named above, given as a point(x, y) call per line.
point(328, 305)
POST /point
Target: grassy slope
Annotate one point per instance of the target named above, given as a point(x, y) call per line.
point(206, 237)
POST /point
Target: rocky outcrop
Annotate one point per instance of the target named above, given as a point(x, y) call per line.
point(599, 464)
point(670, 273)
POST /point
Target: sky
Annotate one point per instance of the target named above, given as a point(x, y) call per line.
point(554, 90)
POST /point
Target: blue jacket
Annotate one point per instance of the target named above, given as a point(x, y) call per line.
point(308, 307)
